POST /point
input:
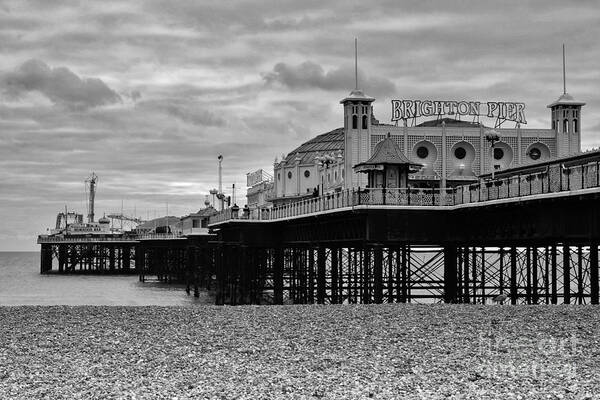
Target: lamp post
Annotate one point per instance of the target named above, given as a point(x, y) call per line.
point(493, 137)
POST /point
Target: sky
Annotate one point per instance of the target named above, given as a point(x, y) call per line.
point(147, 94)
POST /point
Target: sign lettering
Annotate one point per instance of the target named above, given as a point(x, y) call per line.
point(405, 109)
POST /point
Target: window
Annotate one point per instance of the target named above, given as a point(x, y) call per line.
point(335, 175)
point(195, 223)
point(364, 122)
point(307, 174)
point(460, 153)
point(328, 178)
point(553, 124)
point(422, 152)
point(354, 122)
point(535, 153)
point(566, 126)
point(342, 174)
point(498, 153)
point(279, 176)
point(290, 175)
point(575, 127)
point(204, 223)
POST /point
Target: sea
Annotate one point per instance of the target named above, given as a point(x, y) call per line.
point(22, 284)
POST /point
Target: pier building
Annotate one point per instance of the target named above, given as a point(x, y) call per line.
point(453, 147)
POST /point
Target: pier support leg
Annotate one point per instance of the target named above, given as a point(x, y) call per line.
point(334, 276)
point(547, 274)
point(466, 285)
point(566, 275)
point(366, 282)
point(513, 275)
point(528, 273)
point(126, 258)
point(554, 278)
point(311, 275)
point(242, 272)
point(450, 272)
point(501, 272)
point(594, 292)
point(474, 273)
point(321, 278)
point(62, 257)
point(140, 261)
point(534, 277)
point(404, 274)
point(483, 270)
point(111, 258)
point(278, 276)
point(580, 278)
point(378, 274)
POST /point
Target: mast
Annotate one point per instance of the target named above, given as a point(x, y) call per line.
point(220, 195)
point(355, 63)
point(564, 72)
point(91, 181)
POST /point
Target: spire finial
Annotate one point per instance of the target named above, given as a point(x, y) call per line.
point(356, 63)
point(564, 72)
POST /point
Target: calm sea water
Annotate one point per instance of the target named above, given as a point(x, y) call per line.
point(22, 284)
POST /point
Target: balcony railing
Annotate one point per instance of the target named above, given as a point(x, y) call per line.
point(94, 239)
point(555, 178)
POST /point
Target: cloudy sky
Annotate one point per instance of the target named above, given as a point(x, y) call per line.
point(147, 94)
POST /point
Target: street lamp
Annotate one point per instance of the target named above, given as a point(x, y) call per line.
point(493, 137)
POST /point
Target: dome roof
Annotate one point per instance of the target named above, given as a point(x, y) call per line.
point(357, 95)
point(329, 142)
point(104, 220)
point(566, 99)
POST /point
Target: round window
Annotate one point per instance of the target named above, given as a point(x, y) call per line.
point(460, 153)
point(422, 152)
point(535, 153)
point(290, 175)
point(307, 174)
point(498, 153)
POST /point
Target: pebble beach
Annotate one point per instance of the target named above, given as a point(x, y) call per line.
point(390, 351)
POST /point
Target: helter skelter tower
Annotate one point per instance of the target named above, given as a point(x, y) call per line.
point(90, 188)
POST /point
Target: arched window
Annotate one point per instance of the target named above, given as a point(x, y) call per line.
point(354, 122)
point(575, 127)
point(565, 126)
point(364, 122)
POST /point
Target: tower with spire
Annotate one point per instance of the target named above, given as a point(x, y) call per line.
point(357, 129)
point(566, 120)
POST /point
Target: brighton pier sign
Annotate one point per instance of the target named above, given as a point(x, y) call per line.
point(406, 109)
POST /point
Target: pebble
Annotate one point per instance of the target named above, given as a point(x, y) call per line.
point(385, 351)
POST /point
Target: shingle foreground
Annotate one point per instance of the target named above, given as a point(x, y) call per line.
point(300, 352)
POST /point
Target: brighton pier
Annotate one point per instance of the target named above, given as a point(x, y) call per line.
point(532, 236)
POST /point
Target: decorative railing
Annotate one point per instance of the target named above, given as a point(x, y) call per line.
point(555, 178)
point(79, 239)
point(94, 239)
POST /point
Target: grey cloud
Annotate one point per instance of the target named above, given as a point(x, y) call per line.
point(184, 110)
point(312, 75)
point(60, 85)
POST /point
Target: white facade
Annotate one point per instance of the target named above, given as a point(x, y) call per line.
point(453, 152)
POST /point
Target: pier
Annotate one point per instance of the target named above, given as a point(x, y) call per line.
point(533, 237)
